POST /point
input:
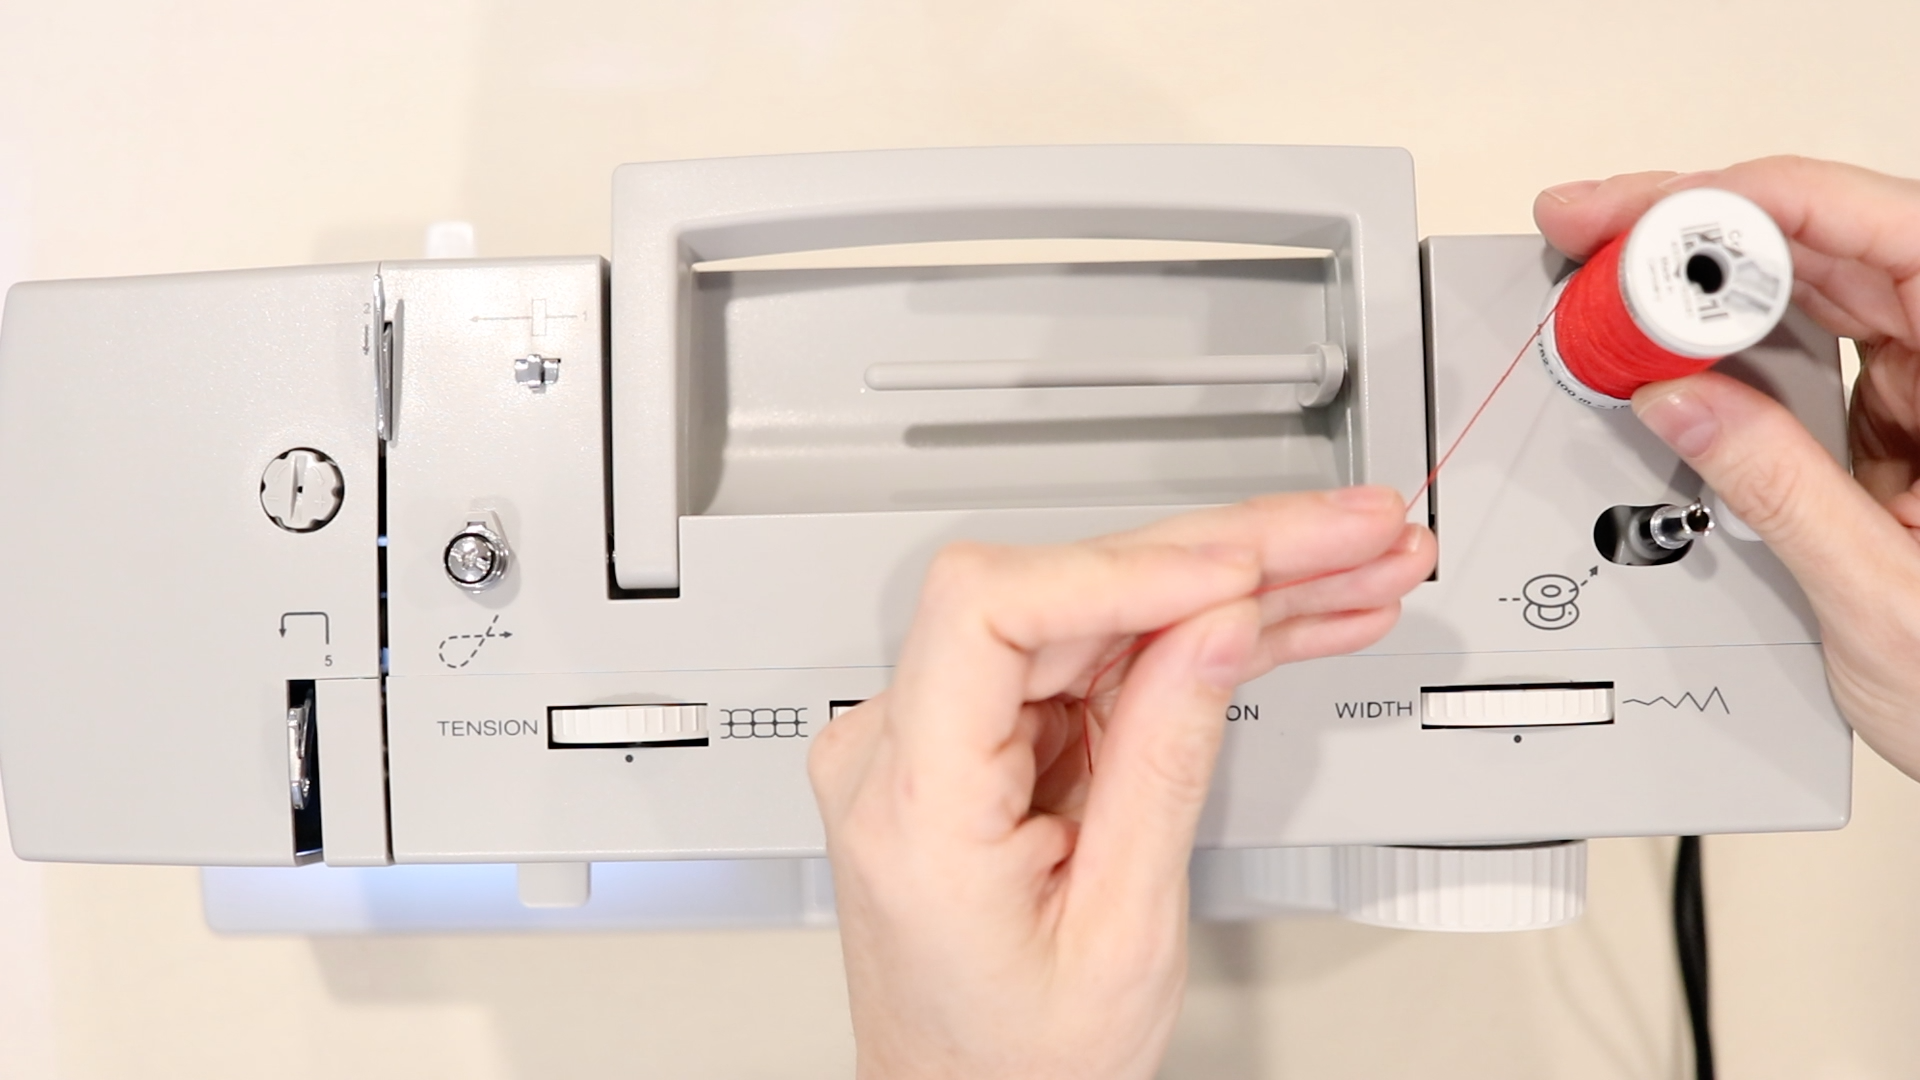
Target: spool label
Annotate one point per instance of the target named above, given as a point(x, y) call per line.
point(1706, 273)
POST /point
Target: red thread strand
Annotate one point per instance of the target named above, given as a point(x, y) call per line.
point(1598, 340)
point(1599, 343)
point(1140, 642)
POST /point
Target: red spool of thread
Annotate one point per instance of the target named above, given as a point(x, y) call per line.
point(1703, 274)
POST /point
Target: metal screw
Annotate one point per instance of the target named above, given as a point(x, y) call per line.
point(477, 556)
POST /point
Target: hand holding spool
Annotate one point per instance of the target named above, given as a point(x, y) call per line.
point(1703, 274)
point(1853, 542)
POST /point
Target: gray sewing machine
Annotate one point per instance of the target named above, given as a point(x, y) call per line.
point(550, 563)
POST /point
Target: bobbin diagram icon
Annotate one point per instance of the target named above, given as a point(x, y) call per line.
point(1550, 601)
point(1703, 274)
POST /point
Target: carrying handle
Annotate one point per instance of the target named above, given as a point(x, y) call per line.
point(669, 216)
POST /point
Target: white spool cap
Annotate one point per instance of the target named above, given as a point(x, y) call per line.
point(1519, 887)
point(1706, 273)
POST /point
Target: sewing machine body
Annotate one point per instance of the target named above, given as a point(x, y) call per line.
point(707, 505)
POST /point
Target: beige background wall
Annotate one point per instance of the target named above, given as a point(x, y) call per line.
point(141, 136)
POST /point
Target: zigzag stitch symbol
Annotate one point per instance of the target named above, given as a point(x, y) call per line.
point(1700, 704)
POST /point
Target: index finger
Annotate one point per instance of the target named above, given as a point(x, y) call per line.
point(1855, 232)
point(1297, 536)
point(1841, 211)
point(1580, 217)
point(984, 611)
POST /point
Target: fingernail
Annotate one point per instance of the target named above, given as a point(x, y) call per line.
point(1222, 658)
point(1684, 180)
point(1571, 191)
point(1409, 541)
point(1682, 421)
point(1367, 497)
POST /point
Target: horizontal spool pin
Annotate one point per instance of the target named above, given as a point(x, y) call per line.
point(1703, 274)
point(1320, 371)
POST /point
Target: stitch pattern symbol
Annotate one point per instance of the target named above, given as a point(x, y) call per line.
point(479, 642)
point(763, 723)
point(1699, 704)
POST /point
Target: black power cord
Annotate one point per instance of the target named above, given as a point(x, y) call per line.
point(1690, 940)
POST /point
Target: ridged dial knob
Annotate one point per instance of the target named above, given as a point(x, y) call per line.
point(1518, 887)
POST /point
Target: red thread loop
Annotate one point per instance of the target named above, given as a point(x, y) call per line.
point(1599, 342)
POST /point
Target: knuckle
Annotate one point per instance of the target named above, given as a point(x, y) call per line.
point(1764, 490)
point(1792, 167)
point(958, 569)
point(835, 750)
point(823, 759)
point(1181, 774)
point(1275, 504)
point(1784, 161)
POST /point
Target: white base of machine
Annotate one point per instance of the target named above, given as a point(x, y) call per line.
point(1447, 889)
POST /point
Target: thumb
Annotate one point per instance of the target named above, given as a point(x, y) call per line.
point(1156, 760)
point(1777, 478)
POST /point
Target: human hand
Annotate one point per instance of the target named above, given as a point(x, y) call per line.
point(1013, 901)
point(1852, 542)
